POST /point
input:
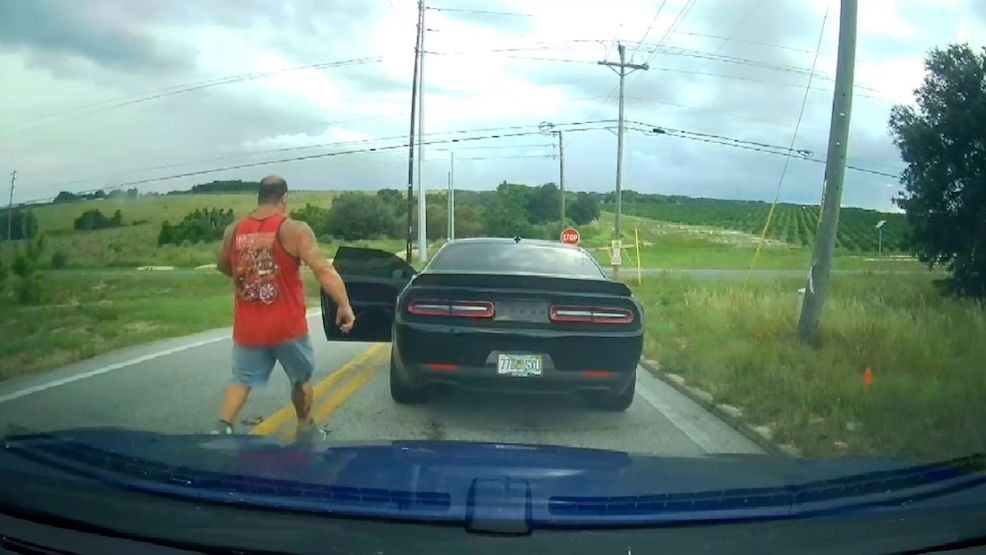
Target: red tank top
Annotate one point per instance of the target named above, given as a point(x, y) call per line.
point(270, 296)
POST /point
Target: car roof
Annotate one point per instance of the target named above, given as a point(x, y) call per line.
point(507, 241)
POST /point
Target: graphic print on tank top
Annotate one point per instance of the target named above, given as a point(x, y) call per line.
point(256, 267)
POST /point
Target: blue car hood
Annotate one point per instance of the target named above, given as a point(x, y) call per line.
point(488, 486)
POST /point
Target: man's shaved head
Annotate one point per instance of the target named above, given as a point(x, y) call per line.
point(272, 189)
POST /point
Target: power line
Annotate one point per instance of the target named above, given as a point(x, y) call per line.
point(479, 12)
point(572, 126)
point(543, 59)
point(745, 145)
point(674, 26)
point(744, 41)
point(113, 104)
point(794, 138)
point(647, 32)
point(510, 157)
point(756, 80)
point(501, 147)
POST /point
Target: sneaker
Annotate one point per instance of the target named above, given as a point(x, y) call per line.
point(221, 428)
point(307, 432)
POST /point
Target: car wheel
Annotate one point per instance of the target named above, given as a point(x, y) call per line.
point(400, 392)
point(618, 402)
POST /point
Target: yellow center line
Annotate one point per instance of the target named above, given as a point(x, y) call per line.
point(285, 414)
point(327, 409)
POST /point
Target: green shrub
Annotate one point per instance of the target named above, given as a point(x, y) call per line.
point(316, 217)
point(59, 260)
point(94, 219)
point(27, 267)
point(196, 227)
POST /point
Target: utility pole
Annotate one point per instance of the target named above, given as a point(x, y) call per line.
point(422, 194)
point(10, 207)
point(410, 142)
point(817, 289)
point(561, 174)
point(451, 195)
point(622, 72)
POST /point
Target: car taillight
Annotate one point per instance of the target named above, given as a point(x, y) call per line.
point(591, 315)
point(458, 309)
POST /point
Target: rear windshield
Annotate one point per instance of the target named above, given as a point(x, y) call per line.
point(514, 258)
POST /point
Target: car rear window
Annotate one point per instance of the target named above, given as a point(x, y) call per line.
point(512, 257)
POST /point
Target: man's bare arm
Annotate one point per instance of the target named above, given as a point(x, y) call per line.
point(222, 262)
point(325, 273)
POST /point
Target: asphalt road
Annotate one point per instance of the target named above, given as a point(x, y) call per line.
point(175, 386)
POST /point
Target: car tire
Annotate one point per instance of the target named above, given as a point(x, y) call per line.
point(400, 392)
point(618, 402)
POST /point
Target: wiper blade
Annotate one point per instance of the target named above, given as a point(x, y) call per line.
point(138, 474)
point(871, 489)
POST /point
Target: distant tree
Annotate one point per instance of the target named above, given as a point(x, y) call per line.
point(941, 141)
point(437, 221)
point(230, 186)
point(65, 196)
point(519, 194)
point(468, 222)
point(27, 268)
point(394, 199)
point(25, 224)
point(584, 209)
point(545, 204)
point(316, 217)
point(132, 193)
point(94, 219)
point(355, 216)
point(507, 217)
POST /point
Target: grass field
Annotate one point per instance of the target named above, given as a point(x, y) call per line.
point(738, 342)
point(90, 312)
point(132, 246)
point(792, 223)
point(680, 246)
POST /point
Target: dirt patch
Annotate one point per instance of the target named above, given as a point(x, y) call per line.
point(140, 326)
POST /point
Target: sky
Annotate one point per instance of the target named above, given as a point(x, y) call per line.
point(101, 93)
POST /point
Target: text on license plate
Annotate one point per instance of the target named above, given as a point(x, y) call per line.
point(519, 365)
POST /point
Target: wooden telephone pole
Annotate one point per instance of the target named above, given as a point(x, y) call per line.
point(410, 143)
point(817, 289)
point(622, 72)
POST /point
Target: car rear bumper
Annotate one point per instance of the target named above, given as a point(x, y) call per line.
point(486, 378)
point(471, 347)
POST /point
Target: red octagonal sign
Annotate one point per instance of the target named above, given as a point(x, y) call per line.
point(571, 236)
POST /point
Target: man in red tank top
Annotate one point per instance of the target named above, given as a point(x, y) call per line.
point(263, 254)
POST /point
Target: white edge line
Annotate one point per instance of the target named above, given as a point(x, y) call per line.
point(103, 370)
point(680, 421)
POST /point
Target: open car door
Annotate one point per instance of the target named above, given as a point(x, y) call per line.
point(373, 278)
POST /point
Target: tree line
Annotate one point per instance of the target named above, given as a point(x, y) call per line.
point(512, 209)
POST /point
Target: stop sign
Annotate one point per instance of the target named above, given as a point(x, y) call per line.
point(571, 236)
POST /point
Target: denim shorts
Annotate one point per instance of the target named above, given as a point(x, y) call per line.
point(252, 365)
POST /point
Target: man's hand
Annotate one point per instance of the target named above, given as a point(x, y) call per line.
point(345, 318)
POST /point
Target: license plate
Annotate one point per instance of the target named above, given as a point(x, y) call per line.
point(519, 365)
